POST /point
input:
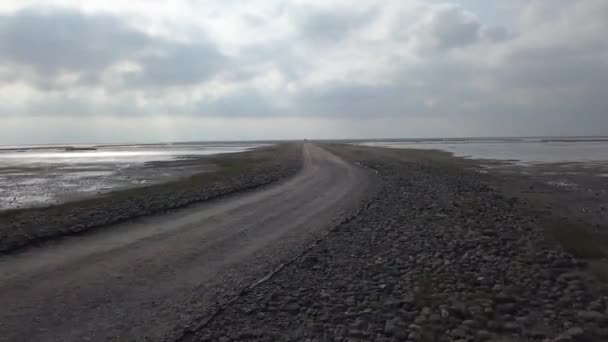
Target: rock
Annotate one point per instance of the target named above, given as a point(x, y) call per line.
point(356, 333)
point(483, 335)
point(391, 326)
point(469, 323)
point(459, 310)
point(502, 297)
point(511, 327)
point(475, 310)
point(340, 330)
point(591, 315)
point(415, 327)
point(509, 308)
point(595, 306)
point(571, 334)
point(460, 332)
point(444, 313)
point(293, 308)
point(413, 336)
point(359, 324)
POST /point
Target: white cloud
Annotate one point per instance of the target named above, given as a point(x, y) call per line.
point(444, 68)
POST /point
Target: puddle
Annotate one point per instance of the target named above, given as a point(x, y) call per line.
point(33, 181)
point(562, 184)
point(87, 174)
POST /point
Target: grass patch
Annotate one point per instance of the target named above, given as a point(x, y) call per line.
point(579, 241)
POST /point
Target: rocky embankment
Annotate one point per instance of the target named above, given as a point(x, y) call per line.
point(237, 172)
point(436, 256)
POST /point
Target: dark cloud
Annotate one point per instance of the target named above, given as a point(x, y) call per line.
point(452, 26)
point(56, 41)
point(556, 67)
point(328, 25)
point(179, 64)
point(59, 40)
point(355, 101)
point(496, 34)
point(245, 103)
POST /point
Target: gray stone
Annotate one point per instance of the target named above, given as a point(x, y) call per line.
point(415, 327)
point(595, 306)
point(591, 315)
point(435, 318)
point(502, 297)
point(391, 326)
point(356, 333)
point(508, 308)
point(469, 323)
point(293, 308)
point(511, 327)
point(414, 336)
point(484, 335)
point(570, 334)
point(459, 332)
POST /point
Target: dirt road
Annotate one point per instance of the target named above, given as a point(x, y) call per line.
point(140, 281)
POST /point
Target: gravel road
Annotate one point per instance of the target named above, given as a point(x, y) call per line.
point(436, 255)
point(146, 279)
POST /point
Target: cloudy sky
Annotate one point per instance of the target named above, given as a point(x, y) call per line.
point(141, 70)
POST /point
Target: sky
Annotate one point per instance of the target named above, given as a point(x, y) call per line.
point(182, 70)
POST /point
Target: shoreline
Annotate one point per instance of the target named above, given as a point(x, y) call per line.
point(237, 172)
point(575, 193)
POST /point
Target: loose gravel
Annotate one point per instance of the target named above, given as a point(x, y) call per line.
point(436, 256)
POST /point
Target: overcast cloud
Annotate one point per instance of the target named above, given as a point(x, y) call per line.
point(267, 69)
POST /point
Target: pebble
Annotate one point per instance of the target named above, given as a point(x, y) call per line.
point(389, 280)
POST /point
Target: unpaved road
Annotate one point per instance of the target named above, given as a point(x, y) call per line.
point(141, 280)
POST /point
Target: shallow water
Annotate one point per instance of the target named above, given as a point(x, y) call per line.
point(124, 154)
point(43, 175)
point(518, 150)
point(565, 163)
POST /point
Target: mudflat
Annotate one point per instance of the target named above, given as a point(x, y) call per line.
point(233, 173)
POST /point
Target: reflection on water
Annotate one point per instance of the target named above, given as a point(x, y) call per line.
point(42, 175)
point(111, 154)
point(520, 150)
point(567, 164)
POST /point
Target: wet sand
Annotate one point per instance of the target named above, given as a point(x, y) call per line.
point(38, 176)
point(574, 192)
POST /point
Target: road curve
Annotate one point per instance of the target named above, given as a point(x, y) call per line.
point(141, 280)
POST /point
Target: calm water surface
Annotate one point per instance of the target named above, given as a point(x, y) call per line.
point(519, 150)
point(43, 175)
